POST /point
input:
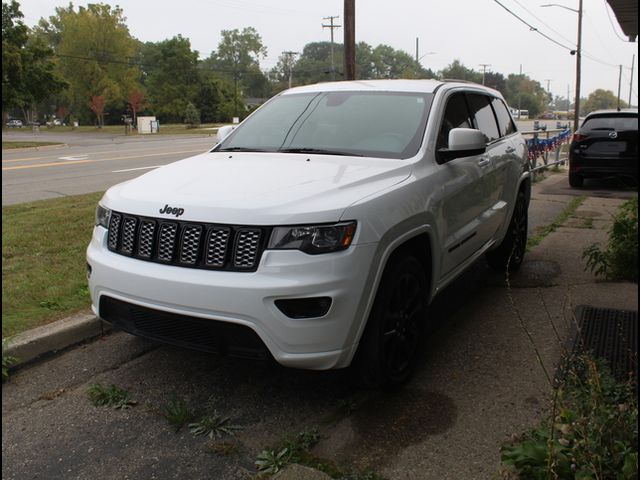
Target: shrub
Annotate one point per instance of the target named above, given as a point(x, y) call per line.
point(619, 261)
point(191, 116)
point(593, 432)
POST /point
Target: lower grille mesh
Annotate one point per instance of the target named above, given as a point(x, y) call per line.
point(182, 330)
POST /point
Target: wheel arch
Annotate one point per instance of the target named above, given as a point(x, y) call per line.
point(420, 243)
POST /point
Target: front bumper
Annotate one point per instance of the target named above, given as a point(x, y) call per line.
point(247, 298)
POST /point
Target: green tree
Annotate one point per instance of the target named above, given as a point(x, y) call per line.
point(28, 74)
point(456, 70)
point(94, 47)
point(215, 100)
point(238, 58)
point(191, 115)
point(601, 99)
point(525, 94)
point(171, 77)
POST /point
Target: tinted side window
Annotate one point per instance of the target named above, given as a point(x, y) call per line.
point(505, 122)
point(456, 115)
point(485, 119)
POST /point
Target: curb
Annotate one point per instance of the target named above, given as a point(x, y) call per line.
point(32, 344)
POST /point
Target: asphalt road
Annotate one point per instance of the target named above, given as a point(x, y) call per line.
point(87, 162)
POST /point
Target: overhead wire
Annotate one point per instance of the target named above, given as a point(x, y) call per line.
point(532, 28)
point(572, 42)
point(536, 30)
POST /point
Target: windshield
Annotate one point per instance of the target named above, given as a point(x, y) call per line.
point(373, 124)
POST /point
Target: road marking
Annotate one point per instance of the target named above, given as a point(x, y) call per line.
point(74, 157)
point(59, 164)
point(134, 169)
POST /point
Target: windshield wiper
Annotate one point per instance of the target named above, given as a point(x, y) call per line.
point(318, 151)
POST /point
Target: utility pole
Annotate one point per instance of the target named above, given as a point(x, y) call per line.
point(290, 64)
point(484, 70)
point(633, 61)
point(548, 80)
point(350, 39)
point(576, 105)
point(619, 86)
point(417, 49)
point(332, 27)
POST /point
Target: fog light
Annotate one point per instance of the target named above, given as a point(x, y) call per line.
point(88, 271)
point(304, 307)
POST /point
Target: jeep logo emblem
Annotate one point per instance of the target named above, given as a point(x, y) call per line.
point(172, 210)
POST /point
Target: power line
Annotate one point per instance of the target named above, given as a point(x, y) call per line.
point(534, 29)
point(544, 23)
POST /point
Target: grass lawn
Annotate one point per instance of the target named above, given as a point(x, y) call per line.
point(43, 260)
point(10, 145)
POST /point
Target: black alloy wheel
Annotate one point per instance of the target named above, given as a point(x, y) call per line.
point(392, 336)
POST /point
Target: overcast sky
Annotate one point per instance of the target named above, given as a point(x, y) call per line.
point(473, 31)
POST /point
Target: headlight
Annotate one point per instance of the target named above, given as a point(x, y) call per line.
point(313, 239)
point(102, 216)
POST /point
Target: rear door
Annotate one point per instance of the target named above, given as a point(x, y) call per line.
point(499, 157)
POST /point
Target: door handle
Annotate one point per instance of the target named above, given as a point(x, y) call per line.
point(484, 162)
point(510, 150)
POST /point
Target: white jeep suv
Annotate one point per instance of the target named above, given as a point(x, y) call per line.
point(317, 231)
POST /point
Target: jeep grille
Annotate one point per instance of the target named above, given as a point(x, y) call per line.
point(187, 244)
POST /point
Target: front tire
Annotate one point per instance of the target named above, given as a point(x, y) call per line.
point(390, 342)
point(510, 254)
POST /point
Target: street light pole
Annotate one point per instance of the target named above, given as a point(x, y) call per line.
point(578, 53)
point(576, 116)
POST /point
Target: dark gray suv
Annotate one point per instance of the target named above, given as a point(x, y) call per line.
point(606, 145)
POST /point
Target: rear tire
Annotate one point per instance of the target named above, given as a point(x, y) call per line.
point(575, 180)
point(510, 254)
point(387, 351)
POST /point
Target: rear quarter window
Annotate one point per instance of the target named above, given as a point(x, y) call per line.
point(505, 122)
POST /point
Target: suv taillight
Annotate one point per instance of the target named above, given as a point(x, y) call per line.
point(578, 137)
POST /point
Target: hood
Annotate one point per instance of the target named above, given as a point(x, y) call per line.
point(257, 188)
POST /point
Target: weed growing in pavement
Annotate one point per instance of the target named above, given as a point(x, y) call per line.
point(592, 434)
point(7, 360)
point(297, 450)
point(177, 412)
point(619, 260)
point(213, 426)
point(270, 462)
point(111, 396)
point(573, 205)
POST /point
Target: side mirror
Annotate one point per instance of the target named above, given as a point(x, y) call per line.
point(223, 132)
point(463, 142)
